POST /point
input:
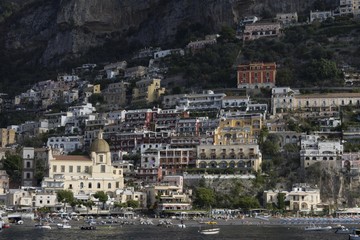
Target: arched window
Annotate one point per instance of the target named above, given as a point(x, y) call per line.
point(98, 185)
point(109, 185)
point(81, 185)
point(90, 185)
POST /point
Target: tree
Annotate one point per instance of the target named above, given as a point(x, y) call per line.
point(281, 201)
point(12, 164)
point(65, 196)
point(133, 203)
point(204, 197)
point(102, 197)
point(248, 202)
point(322, 69)
point(88, 204)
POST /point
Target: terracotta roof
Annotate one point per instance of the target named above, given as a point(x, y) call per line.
point(329, 95)
point(72, 158)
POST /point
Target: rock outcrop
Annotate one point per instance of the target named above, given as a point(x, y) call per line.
point(49, 32)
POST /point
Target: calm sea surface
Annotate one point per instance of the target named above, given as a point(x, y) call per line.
point(276, 232)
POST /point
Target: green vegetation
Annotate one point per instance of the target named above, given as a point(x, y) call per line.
point(12, 164)
point(66, 197)
point(7, 9)
point(102, 197)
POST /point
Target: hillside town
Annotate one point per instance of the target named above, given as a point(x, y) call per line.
point(120, 136)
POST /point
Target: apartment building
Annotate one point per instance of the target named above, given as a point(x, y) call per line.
point(243, 129)
point(256, 75)
point(285, 99)
point(147, 91)
point(244, 158)
point(261, 29)
point(315, 149)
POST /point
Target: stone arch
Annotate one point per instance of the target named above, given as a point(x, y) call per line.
point(202, 165)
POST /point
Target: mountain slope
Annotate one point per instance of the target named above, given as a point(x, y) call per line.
point(49, 32)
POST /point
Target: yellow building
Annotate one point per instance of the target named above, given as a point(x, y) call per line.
point(240, 130)
point(7, 137)
point(147, 91)
point(84, 175)
point(245, 158)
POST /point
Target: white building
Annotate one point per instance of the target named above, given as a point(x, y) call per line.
point(66, 144)
point(320, 15)
point(58, 119)
point(235, 101)
point(42, 199)
point(82, 110)
point(315, 149)
point(68, 78)
point(169, 52)
point(169, 194)
point(301, 198)
point(206, 100)
point(124, 195)
point(284, 99)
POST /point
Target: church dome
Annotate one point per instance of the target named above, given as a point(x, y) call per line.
point(99, 145)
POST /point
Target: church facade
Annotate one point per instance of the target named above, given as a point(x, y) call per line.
point(84, 175)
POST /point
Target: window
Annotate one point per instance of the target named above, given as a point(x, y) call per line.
point(109, 185)
point(28, 164)
point(78, 169)
point(71, 169)
point(90, 185)
point(87, 169)
point(28, 175)
point(102, 168)
point(70, 186)
point(81, 185)
point(62, 168)
point(117, 185)
point(54, 168)
point(98, 185)
point(101, 158)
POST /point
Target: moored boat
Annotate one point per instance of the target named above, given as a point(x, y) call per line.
point(88, 228)
point(343, 230)
point(63, 226)
point(317, 228)
point(355, 235)
point(42, 226)
point(210, 231)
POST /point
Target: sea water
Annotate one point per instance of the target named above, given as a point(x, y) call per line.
point(128, 232)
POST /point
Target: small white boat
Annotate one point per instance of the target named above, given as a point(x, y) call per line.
point(63, 226)
point(210, 231)
point(343, 230)
point(182, 225)
point(355, 235)
point(317, 228)
point(42, 226)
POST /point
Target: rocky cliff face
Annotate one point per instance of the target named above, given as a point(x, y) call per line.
point(49, 32)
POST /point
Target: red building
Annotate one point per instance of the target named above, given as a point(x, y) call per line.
point(256, 75)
